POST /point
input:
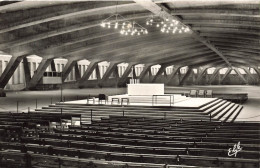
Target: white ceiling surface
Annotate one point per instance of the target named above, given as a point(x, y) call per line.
point(23, 5)
point(27, 4)
point(194, 3)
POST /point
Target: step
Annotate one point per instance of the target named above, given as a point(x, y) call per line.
point(211, 104)
point(237, 113)
point(147, 113)
point(219, 109)
point(194, 111)
point(210, 110)
point(228, 115)
point(225, 111)
point(234, 114)
point(108, 106)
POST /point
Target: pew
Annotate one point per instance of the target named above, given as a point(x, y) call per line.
point(142, 158)
point(134, 141)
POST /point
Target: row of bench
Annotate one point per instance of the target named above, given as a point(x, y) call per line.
point(130, 142)
point(17, 154)
point(14, 125)
point(27, 160)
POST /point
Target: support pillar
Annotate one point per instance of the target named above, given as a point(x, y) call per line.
point(226, 74)
point(174, 72)
point(39, 73)
point(257, 70)
point(188, 73)
point(110, 69)
point(201, 72)
point(165, 73)
point(150, 75)
point(53, 68)
point(67, 69)
point(116, 74)
point(144, 72)
point(122, 81)
point(98, 73)
point(9, 70)
point(134, 73)
point(161, 70)
point(88, 72)
point(240, 75)
point(214, 75)
point(179, 75)
point(249, 74)
point(26, 71)
point(77, 73)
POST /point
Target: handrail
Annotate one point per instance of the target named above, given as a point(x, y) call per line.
point(154, 99)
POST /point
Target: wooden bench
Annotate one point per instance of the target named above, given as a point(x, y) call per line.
point(142, 141)
point(141, 149)
point(178, 137)
point(174, 125)
point(164, 132)
point(138, 139)
point(123, 156)
point(40, 161)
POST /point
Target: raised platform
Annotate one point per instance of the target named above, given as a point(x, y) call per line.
point(211, 108)
point(169, 100)
point(234, 97)
point(27, 99)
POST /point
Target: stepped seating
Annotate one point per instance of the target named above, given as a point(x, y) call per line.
point(130, 157)
point(38, 161)
point(120, 141)
point(170, 124)
point(13, 125)
point(178, 136)
point(180, 150)
point(131, 136)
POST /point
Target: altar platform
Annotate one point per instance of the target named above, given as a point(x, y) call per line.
point(167, 100)
point(147, 94)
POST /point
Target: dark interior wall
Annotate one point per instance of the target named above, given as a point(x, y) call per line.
point(231, 79)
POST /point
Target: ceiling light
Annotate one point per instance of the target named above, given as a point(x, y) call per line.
point(166, 25)
point(126, 26)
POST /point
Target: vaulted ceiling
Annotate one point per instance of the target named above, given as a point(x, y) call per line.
point(223, 32)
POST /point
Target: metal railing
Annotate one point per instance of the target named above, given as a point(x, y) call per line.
point(154, 99)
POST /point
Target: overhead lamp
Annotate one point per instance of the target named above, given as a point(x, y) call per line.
point(126, 26)
point(165, 24)
point(114, 21)
point(133, 28)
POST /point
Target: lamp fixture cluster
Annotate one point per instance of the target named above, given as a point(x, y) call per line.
point(112, 21)
point(126, 27)
point(166, 25)
point(133, 28)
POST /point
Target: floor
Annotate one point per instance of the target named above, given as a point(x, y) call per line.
point(28, 99)
point(31, 99)
point(251, 110)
